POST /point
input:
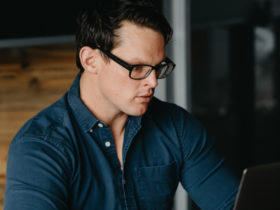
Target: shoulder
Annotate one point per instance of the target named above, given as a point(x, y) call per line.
point(165, 110)
point(170, 115)
point(49, 125)
point(43, 141)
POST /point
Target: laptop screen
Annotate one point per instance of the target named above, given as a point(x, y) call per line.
point(259, 188)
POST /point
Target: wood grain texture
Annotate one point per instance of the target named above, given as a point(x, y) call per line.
point(30, 79)
point(2, 190)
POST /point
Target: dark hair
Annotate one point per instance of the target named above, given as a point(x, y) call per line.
point(96, 26)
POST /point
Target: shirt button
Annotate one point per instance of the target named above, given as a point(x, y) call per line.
point(107, 144)
point(91, 130)
point(100, 125)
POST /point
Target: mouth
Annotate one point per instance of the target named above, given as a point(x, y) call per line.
point(145, 97)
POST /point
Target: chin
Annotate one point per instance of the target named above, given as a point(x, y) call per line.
point(140, 110)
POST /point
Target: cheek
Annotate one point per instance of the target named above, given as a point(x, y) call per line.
point(118, 84)
point(123, 88)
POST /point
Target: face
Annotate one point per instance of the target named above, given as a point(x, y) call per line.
point(119, 93)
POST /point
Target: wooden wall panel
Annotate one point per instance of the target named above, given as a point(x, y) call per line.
point(2, 189)
point(30, 79)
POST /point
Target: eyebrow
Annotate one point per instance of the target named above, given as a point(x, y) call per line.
point(130, 63)
point(138, 61)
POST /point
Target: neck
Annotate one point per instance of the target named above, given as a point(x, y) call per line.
point(99, 108)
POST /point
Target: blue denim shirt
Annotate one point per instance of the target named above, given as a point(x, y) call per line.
point(65, 158)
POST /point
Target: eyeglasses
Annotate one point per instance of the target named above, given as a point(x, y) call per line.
point(139, 71)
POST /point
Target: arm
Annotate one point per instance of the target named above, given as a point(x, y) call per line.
point(205, 175)
point(37, 176)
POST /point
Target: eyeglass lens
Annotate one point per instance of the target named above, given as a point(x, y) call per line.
point(140, 72)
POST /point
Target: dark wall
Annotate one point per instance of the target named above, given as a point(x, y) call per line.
point(235, 82)
point(235, 78)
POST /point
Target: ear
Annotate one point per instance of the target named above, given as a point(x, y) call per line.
point(88, 58)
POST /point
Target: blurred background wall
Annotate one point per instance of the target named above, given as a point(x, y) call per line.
point(232, 76)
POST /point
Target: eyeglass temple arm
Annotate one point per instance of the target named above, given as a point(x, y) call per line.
point(116, 59)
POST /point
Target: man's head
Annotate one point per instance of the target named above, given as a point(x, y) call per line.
point(98, 26)
point(118, 51)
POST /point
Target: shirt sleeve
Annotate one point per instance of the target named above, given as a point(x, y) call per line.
point(205, 174)
point(36, 176)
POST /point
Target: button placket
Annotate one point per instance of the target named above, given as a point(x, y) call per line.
point(107, 144)
point(100, 125)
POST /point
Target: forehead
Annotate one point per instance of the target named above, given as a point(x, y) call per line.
point(140, 41)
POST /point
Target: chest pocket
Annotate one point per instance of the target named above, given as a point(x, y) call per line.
point(155, 186)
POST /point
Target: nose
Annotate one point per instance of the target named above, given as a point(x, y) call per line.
point(152, 80)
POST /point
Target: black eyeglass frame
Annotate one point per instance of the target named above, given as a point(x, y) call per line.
point(129, 67)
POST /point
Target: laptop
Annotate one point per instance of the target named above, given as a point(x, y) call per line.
point(259, 188)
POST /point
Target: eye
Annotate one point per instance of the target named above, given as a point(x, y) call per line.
point(138, 68)
point(142, 68)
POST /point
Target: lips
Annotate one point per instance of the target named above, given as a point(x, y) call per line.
point(146, 95)
point(149, 93)
point(144, 98)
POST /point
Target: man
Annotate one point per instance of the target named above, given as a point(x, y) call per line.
point(108, 144)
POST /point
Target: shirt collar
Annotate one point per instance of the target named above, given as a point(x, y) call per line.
point(83, 115)
point(135, 121)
